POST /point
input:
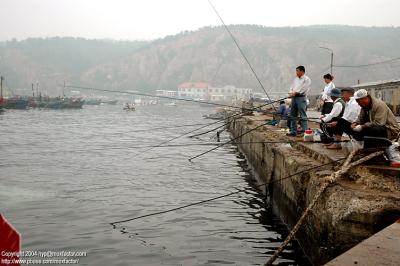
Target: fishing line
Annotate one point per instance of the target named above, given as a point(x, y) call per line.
point(194, 130)
point(263, 124)
point(160, 128)
point(368, 65)
point(241, 135)
point(222, 196)
point(211, 130)
point(241, 51)
point(162, 146)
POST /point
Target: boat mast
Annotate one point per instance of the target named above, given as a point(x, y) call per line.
point(1, 87)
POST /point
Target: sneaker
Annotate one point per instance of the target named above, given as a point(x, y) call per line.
point(291, 134)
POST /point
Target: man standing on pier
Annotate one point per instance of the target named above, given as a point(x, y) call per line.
point(298, 92)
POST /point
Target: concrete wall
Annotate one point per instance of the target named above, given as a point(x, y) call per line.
point(348, 212)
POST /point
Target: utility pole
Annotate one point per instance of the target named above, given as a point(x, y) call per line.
point(329, 49)
point(33, 91)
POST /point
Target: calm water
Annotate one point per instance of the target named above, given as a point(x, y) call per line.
point(65, 175)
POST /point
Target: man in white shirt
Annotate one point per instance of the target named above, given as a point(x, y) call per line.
point(337, 109)
point(350, 115)
point(298, 92)
point(326, 100)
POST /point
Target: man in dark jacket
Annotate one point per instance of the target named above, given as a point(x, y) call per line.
point(375, 119)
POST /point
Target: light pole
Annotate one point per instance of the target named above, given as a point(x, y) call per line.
point(329, 49)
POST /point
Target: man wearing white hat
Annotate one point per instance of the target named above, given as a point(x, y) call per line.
point(375, 119)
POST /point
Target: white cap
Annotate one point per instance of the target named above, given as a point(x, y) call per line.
point(360, 94)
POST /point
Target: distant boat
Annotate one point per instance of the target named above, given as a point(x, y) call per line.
point(1, 104)
point(92, 101)
point(171, 104)
point(57, 103)
point(129, 107)
point(216, 116)
point(16, 103)
point(112, 102)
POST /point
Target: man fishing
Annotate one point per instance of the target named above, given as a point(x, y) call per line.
point(375, 119)
point(298, 92)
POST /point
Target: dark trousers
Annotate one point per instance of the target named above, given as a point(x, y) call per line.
point(326, 108)
point(345, 126)
point(342, 126)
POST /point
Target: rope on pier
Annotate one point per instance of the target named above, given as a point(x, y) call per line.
point(328, 180)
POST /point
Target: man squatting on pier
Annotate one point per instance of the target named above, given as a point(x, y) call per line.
point(375, 119)
point(337, 109)
point(298, 92)
point(336, 126)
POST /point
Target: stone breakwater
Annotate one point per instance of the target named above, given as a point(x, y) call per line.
point(357, 206)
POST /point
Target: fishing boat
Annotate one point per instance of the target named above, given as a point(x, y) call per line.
point(60, 103)
point(129, 107)
point(111, 102)
point(173, 104)
point(92, 101)
point(1, 104)
point(16, 102)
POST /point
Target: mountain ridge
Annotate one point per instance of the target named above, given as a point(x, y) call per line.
point(208, 55)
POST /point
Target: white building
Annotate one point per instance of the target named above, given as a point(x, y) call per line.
point(167, 93)
point(203, 91)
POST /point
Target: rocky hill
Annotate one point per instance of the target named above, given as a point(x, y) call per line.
point(207, 55)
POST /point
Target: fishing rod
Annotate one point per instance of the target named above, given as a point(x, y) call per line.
point(161, 128)
point(240, 50)
point(211, 130)
point(227, 142)
point(223, 196)
point(162, 146)
point(222, 144)
point(152, 95)
point(213, 123)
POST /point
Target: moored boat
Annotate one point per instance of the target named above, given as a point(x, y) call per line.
point(16, 103)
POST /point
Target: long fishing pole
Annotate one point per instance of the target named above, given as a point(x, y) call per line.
point(240, 50)
point(167, 127)
point(208, 131)
point(161, 146)
point(222, 144)
point(152, 95)
point(194, 130)
point(222, 196)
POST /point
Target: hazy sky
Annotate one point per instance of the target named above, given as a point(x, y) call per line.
point(150, 19)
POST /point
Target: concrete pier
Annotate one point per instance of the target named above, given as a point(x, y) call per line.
point(383, 248)
point(351, 210)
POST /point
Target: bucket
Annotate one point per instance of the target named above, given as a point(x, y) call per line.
point(308, 135)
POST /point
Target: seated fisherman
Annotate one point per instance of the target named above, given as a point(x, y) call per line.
point(350, 115)
point(282, 111)
point(375, 119)
point(338, 107)
point(336, 112)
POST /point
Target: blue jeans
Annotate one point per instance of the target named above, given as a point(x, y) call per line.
point(299, 106)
